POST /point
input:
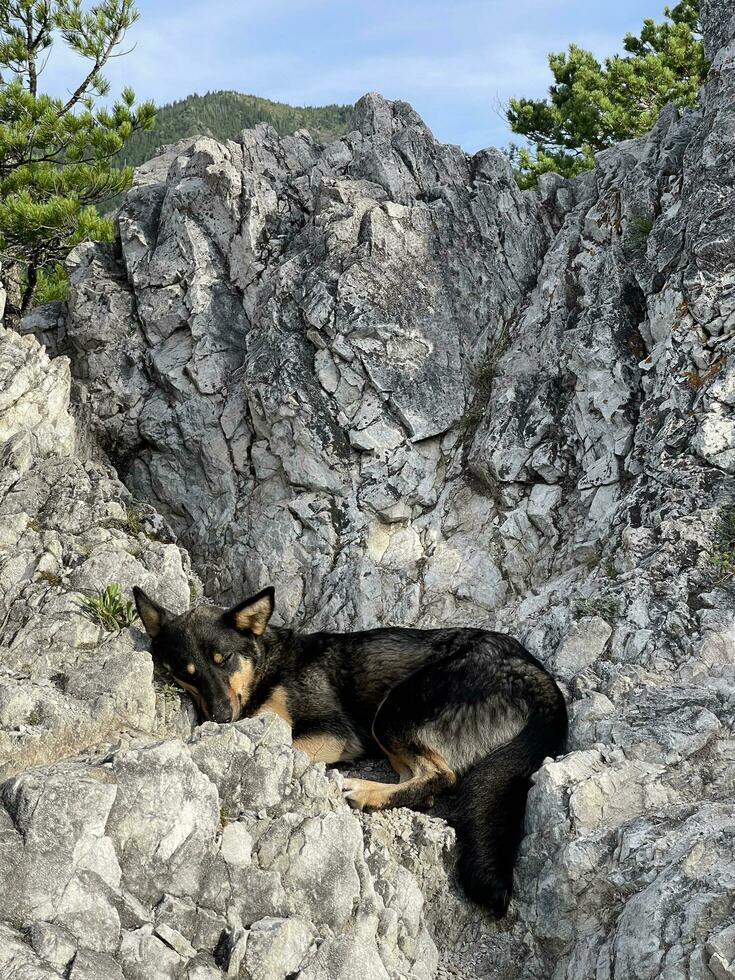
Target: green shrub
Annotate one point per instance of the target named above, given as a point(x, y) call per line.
point(57, 150)
point(134, 519)
point(53, 285)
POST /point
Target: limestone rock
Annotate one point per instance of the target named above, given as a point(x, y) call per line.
point(582, 646)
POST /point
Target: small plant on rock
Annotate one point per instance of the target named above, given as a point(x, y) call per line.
point(722, 554)
point(109, 609)
point(607, 607)
point(134, 519)
point(485, 378)
point(169, 693)
point(695, 380)
point(35, 717)
point(610, 569)
point(640, 228)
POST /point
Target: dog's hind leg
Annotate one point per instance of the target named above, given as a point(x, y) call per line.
point(437, 723)
point(489, 714)
point(424, 775)
point(423, 771)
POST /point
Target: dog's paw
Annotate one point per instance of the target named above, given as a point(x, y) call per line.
point(362, 794)
point(350, 793)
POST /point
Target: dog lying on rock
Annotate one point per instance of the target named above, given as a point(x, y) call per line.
point(449, 708)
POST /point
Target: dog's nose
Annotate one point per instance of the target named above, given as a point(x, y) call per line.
point(222, 714)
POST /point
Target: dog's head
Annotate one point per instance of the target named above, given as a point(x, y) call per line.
point(212, 653)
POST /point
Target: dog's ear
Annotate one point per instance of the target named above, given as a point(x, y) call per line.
point(252, 614)
point(152, 615)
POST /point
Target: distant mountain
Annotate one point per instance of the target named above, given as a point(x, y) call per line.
point(224, 114)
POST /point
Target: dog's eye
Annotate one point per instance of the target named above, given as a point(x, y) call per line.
point(220, 658)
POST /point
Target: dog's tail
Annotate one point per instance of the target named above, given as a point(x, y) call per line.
point(492, 805)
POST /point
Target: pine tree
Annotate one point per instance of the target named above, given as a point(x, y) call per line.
point(592, 105)
point(56, 153)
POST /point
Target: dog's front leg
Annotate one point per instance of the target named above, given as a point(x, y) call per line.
point(326, 747)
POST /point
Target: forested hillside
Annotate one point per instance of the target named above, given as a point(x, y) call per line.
point(224, 114)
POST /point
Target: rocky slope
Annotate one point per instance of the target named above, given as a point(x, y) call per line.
point(380, 377)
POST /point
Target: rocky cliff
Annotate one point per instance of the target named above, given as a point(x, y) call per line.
point(382, 378)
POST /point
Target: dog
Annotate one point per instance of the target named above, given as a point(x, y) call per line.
point(451, 709)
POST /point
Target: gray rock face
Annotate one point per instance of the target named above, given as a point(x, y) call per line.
point(379, 376)
point(287, 350)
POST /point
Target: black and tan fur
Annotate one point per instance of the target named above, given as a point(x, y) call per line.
point(447, 707)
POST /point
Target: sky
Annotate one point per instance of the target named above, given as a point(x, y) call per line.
point(456, 61)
